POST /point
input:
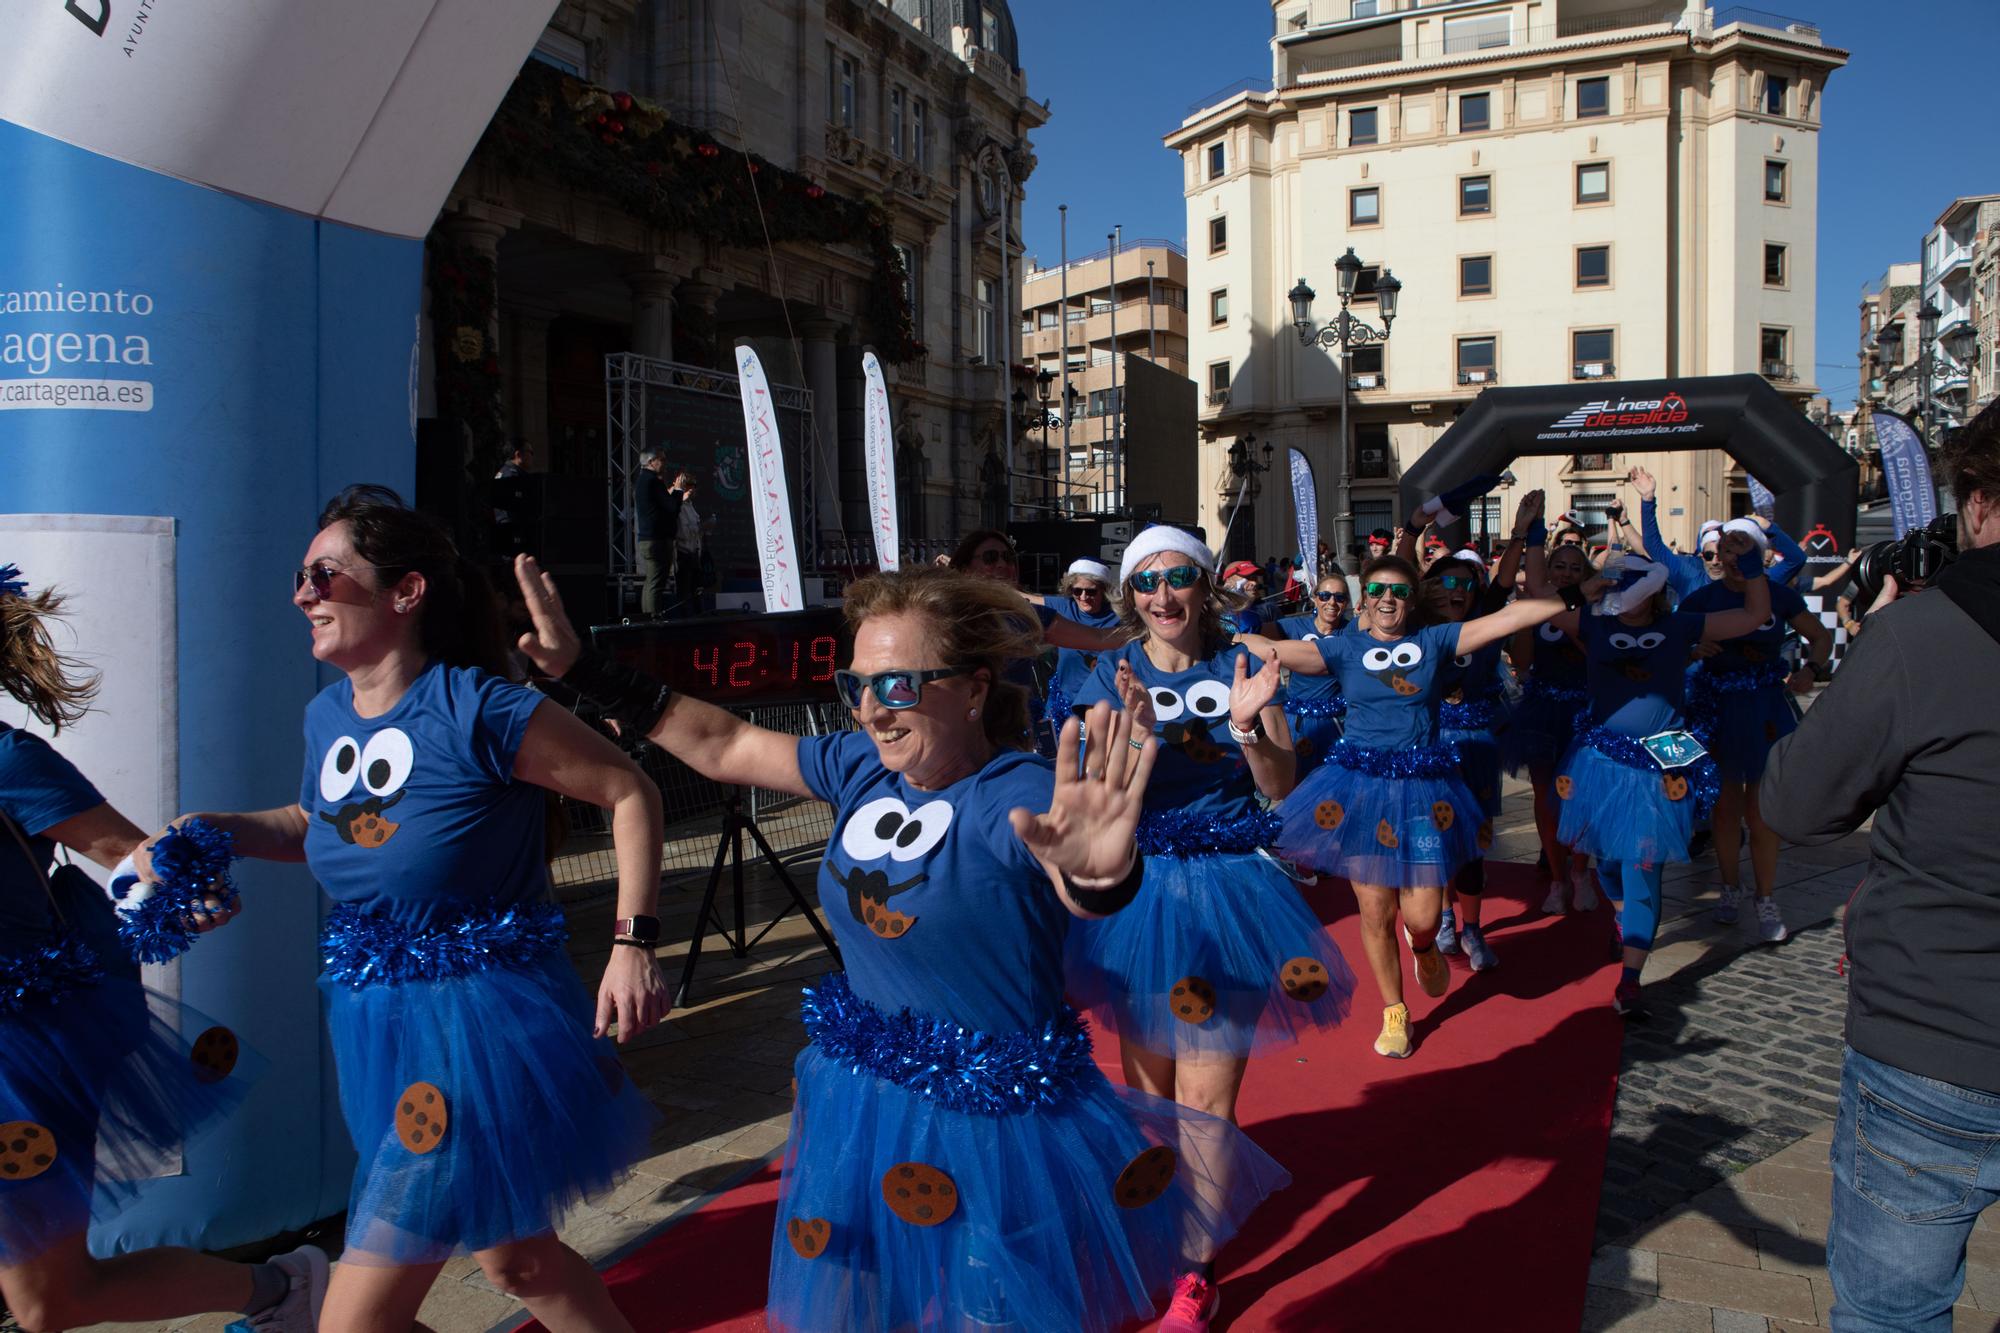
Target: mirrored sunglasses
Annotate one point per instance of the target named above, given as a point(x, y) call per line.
point(1180, 576)
point(1453, 582)
point(1400, 590)
point(1329, 595)
point(897, 688)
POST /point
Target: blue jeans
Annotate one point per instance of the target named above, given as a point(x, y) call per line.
point(1915, 1161)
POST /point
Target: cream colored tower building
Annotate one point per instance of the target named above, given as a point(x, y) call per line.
point(1568, 190)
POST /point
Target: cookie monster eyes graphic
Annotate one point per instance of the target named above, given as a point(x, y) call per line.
point(885, 827)
point(1548, 633)
point(1392, 666)
point(1208, 698)
point(1646, 642)
point(381, 769)
point(1770, 623)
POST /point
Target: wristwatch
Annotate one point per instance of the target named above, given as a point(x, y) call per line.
point(644, 929)
point(1250, 737)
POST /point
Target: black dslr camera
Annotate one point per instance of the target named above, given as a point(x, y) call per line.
point(1914, 558)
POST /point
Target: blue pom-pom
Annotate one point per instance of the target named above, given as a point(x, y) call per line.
point(12, 584)
point(979, 1073)
point(40, 977)
point(191, 870)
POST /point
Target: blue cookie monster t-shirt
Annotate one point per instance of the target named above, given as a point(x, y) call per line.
point(1558, 658)
point(1761, 648)
point(1199, 769)
point(1638, 674)
point(417, 813)
point(38, 790)
point(1299, 687)
point(1392, 686)
point(1067, 608)
point(938, 907)
point(1473, 676)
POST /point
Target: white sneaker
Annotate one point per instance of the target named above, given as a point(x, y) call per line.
point(299, 1311)
point(1726, 906)
point(1584, 881)
point(1554, 904)
point(1770, 926)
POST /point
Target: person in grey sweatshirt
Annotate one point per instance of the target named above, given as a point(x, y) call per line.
point(1910, 733)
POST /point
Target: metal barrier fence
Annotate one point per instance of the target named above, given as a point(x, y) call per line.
point(796, 827)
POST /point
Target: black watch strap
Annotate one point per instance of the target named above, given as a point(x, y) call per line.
point(626, 695)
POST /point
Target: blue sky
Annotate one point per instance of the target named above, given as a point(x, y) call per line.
point(1906, 126)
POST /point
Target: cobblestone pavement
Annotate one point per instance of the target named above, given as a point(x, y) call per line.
point(1716, 1184)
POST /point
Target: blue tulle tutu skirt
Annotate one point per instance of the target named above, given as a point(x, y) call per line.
point(1540, 729)
point(1217, 957)
point(1619, 812)
point(481, 1108)
point(1741, 726)
point(1314, 730)
point(100, 1090)
point(1399, 832)
point(1075, 1217)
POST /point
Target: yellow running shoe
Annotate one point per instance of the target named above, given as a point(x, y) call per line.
point(1395, 1039)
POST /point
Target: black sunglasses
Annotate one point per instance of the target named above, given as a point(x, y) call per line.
point(1710, 553)
point(1329, 595)
point(898, 688)
point(990, 556)
point(1180, 576)
point(321, 578)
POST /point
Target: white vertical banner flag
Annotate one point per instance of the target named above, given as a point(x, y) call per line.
point(770, 497)
point(881, 466)
point(1305, 509)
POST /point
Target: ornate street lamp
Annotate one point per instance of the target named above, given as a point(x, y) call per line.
point(1344, 331)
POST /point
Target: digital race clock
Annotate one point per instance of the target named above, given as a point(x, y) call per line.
point(737, 661)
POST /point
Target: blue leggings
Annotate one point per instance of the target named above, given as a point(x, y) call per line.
point(1636, 888)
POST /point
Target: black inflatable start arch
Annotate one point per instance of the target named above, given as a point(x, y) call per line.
point(1814, 481)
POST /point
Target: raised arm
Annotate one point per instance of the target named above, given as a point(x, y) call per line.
point(1523, 613)
point(1525, 518)
point(1791, 556)
point(1066, 633)
point(714, 743)
point(1756, 609)
point(1291, 654)
point(1838, 575)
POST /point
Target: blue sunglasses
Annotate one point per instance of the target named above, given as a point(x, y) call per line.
point(1180, 576)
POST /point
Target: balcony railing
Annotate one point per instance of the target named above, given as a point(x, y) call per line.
point(1478, 377)
point(1372, 379)
point(1764, 18)
point(1779, 371)
point(1221, 95)
point(1592, 370)
point(1657, 14)
point(1218, 397)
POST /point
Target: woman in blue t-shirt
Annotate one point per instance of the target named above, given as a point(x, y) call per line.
point(1207, 967)
point(99, 1088)
point(481, 1097)
point(1391, 811)
point(947, 1081)
point(1634, 782)
point(1086, 600)
point(1313, 706)
point(1737, 700)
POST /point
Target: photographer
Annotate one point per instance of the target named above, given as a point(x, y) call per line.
point(1907, 736)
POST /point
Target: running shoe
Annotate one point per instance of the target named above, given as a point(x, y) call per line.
point(1193, 1305)
point(1447, 936)
point(1395, 1039)
point(1554, 904)
point(1584, 880)
point(1626, 1001)
point(1477, 951)
point(299, 1311)
point(1770, 925)
point(1728, 905)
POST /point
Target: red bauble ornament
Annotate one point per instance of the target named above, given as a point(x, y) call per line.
point(753, 168)
point(815, 192)
point(617, 127)
point(603, 119)
point(608, 137)
point(653, 170)
point(623, 101)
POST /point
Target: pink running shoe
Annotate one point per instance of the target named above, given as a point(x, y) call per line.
point(1194, 1303)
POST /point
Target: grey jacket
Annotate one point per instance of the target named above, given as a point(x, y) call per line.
point(1910, 732)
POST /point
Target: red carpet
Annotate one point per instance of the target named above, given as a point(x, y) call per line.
point(1455, 1189)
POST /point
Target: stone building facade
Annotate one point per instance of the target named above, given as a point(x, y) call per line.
point(915, 111)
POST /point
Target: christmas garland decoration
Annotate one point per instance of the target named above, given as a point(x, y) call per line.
point(465, 300)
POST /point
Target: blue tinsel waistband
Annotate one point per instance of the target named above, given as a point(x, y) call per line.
point(362, 948)
point(1739, 682)
point(1056, 708)
point(1537, 688)
point(979, 1073)
point(1421, 761)
point(1333, 705)
point(1469, 715)
point(41, 977)
point(1185, 833)
point(1702, 775)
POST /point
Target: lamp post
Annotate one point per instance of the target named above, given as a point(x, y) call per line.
point(1927, 322)
point(1243, 466)
point(1962, 343)
point(1345, 332)
point(1041, 420)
